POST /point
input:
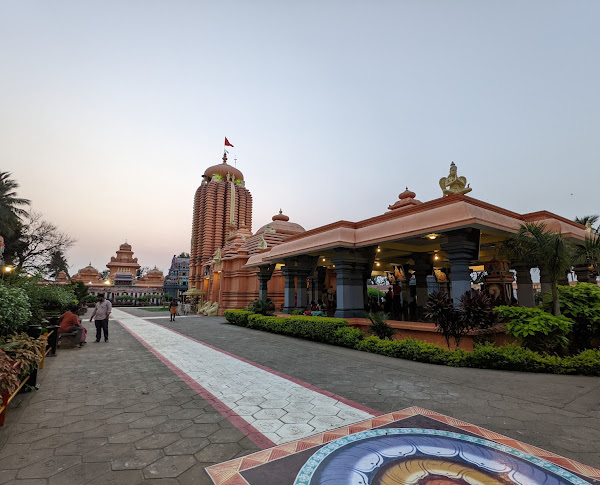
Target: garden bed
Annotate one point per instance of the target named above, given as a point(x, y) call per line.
point(336, 331)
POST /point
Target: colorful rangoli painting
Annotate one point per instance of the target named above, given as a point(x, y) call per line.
point(411, 447)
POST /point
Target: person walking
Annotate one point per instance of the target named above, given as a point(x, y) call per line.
point(173, 309)
point(101, 314)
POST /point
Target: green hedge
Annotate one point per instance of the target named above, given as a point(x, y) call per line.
point(336, 331)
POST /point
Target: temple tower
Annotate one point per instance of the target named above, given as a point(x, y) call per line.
point(222, 205)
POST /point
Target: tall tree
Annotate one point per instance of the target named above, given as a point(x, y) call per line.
point(57, 263)
point(537, 246)
point(37, 240)
point(11, 211)
point(184, 255)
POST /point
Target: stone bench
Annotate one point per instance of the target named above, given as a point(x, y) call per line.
point(67, 340)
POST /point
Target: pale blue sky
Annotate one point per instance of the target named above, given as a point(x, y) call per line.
point(110, 111)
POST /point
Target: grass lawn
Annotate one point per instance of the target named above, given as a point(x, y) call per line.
point(156, 309)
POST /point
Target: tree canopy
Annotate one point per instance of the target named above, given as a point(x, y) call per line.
point(11, 206)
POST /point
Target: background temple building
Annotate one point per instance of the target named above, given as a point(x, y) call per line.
point(176, 281)
point(122, 278)
point(414, 244)
point(123, 267)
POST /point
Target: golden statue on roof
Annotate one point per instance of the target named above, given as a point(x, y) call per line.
point(453, 184)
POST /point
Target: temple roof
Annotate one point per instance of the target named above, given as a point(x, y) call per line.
point(281, 224)
point(223, 169)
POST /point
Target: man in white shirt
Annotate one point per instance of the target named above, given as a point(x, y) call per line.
point(101, 312)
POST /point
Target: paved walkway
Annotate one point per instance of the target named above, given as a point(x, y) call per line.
point(163, 408)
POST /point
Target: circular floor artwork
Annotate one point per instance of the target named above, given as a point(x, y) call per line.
point(412, 456)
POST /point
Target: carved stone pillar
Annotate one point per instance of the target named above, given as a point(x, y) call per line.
point(301, 293)
point(320, 282)
point(462, 248)
point(351, 266)
point(289, 295)
point(264, 275)
point(299, 267)
point(423, 267)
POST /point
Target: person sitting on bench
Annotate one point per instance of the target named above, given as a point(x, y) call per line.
point(70, 323)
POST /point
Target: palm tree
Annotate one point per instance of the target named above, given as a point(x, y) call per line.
point(10, 210)
point(539, 247)
point(592, 219)
point(588, 253)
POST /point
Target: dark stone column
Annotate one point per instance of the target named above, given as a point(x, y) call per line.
point(264, 275)
point(462, 248)
point(301, 293)
point(351, 267)
point(320, 282)
point(525, 294)
point(423, 267)
point(290, 288)
point(299, 267)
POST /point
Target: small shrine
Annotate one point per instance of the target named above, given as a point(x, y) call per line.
point(152, 279)
point(498, 282)
point(453, 184)
point(88, 275)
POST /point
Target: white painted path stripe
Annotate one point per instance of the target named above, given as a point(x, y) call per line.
point(281, 409)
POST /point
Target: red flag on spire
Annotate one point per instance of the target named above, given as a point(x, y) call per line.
point(227, 144)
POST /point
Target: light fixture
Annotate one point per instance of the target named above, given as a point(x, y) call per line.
point(8, 269)
point(107, 282)
point(378, 250)
point(431, 236)
point(333, 265)
point(323, 259)
point(436, 257)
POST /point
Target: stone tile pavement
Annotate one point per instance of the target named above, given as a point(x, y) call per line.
point(113, 413)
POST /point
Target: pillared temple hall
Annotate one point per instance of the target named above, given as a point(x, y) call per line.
point(415, 245)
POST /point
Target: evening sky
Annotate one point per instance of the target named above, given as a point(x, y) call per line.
point(110, 111)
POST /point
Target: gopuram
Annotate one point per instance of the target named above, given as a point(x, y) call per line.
point(442, 240)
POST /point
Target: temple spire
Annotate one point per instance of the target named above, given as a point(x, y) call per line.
point(225, 156)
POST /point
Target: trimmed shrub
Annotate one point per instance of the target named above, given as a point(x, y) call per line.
point(320, 329)
point(238, 317)
point(337, 332)
point(538, 330)
point(347, 337)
